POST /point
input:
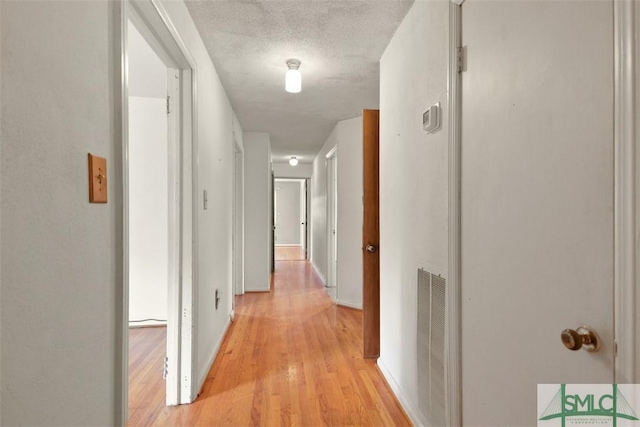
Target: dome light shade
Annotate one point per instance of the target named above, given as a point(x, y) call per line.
point(293, 78)
point(293, 161)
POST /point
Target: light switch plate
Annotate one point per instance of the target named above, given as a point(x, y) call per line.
point(97, 179)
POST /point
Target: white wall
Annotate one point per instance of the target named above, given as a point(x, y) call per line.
point(147, 73)
point(60, 254)
point(1, 223)
point(1, 138)
point(59, 284)
point(347, 135)
point(285, 170)
point(216, 126)
point(257, 199)
point(413, 185)
point(318, 217)
point(288, 213)
point(148, 210)
point(350, 213)
point(637, 209)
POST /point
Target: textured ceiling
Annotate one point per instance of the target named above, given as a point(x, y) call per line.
point(338, 42)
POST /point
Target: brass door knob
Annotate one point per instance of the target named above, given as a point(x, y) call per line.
point(371, 249)
point(582, 337)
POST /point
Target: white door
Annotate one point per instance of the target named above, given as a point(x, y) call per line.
point(287, 212)
point(537, 201)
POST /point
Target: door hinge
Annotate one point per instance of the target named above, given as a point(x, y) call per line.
point(165, 369)
point(168, 104)
point(459, 59)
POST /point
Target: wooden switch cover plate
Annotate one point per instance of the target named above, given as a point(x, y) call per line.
point(97, 179)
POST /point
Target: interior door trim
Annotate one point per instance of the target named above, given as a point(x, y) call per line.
point(453, 380)
point(626, 208)
point(172, 48)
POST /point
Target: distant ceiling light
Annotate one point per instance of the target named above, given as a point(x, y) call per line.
point(293, 78)
point(293, 161)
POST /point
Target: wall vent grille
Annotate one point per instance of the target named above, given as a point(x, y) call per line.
point(431, 327)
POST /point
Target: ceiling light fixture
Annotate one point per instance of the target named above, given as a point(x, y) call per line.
point(293, 78)
point(293, 161)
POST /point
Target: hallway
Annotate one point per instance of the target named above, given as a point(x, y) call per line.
point(291, 357)
point(289, 253)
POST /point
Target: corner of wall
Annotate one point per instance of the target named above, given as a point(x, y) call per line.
point(206, 367)
point(319, 273)
point(238, 133)
point(414, 415)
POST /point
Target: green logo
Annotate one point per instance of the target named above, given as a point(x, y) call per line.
point(584, 406)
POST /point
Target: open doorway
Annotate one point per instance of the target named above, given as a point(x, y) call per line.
point(160, 238)
point(290, 219)
point(149, 219)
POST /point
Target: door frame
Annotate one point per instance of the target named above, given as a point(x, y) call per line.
point(626, 210)
point(301, 218)
point(155, 25)
point(626, 204)
point(332, 201)
point(272, 246)
point(307, 219)
point(453, 313)
point(238, 221)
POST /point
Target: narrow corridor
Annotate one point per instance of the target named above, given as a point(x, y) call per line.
point(291, 357)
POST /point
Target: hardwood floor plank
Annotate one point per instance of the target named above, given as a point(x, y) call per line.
point(291, 358)
point(146, 386)
point(289, 253)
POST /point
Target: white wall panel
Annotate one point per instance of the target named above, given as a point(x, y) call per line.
point(413, 184)
point(257, 225)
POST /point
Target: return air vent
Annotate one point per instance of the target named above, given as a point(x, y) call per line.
point(431, 318)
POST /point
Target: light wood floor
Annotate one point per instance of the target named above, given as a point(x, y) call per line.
point(289, 253)
point(147, 348)
point(291, 358)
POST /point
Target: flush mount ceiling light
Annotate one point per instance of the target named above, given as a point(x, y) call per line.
point(293, 78)
point(293, 160)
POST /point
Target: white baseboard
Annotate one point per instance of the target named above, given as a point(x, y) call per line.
point(414, 415)
point(248, 291)
point(266, 289)
point(202, 375)
point(151, 323)
point(320, 276)
point(349, 304)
